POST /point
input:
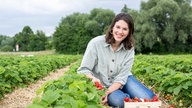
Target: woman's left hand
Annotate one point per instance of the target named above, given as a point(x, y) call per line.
point(104, 100)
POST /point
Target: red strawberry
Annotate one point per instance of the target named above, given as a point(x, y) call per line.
point(126, 99)
point(98, 85)
point(173, 105)
point(155, 98)
point(146, 100)
point(135, 99)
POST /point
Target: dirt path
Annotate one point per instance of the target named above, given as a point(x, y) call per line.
point(22, 97)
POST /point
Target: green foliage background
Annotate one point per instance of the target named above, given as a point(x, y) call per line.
point(161, 26)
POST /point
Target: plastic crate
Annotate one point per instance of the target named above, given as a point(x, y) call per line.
point(143, 104)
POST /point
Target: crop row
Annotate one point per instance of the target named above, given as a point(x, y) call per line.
point(70, 91)
point(179, 63)
point(154, 71)
point(18, 71)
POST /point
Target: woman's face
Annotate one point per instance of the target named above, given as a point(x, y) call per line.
point(120, 31)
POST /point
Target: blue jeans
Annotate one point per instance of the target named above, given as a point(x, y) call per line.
point(133, 88)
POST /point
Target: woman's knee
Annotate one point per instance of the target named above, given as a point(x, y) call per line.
point(116, 99)
point(136, 89)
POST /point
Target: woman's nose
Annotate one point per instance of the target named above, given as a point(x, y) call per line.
point(120, 30)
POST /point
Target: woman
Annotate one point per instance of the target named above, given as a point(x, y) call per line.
point(108, 59)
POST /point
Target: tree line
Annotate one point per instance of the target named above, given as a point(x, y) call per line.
point(27, 40)
point(161, 26)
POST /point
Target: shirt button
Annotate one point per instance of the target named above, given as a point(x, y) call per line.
point(108, 78)
point(111, 71)
point(113, 60)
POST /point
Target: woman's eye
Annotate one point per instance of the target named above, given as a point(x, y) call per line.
point(117, 27)
point(125, 29)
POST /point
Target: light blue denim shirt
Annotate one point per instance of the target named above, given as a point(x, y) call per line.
point(102, 62)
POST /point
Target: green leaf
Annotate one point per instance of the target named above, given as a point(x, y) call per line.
point(18, 78)
point(67, 106)
point(172, 82)
point(35, 106)
point(43, 103)
point(90, 96)
point(81, 104)
point(2, 70)
point(170, 89)
point(50, 96)
point(177, 90)
point(77, 85)
point(58, 106)
point(65, 100)
point(94, 106)
point(190, 95)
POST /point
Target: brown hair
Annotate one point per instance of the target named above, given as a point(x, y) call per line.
point(128, 42)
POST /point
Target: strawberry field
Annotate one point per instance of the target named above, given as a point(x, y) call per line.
point(19, 71)
point(170, 76)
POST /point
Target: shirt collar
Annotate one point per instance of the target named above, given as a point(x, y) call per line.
point(106, 44)
point(121, 46)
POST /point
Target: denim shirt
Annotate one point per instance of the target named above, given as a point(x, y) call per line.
point(102, 62)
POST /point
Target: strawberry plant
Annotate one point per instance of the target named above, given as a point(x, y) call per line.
point(72, 91)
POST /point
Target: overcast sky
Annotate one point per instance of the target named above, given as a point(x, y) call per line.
point(45, 15)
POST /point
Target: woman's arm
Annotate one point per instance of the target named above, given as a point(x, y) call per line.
point(113, 87)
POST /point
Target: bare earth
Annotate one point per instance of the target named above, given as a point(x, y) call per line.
point(22, 97)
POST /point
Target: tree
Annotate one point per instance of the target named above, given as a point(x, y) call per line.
point(103, 17)
point(23, 38)
point(38, 41)
point(6, 43)
point(93, 28)
point(164, 25)
point(28, 41)
point(69, 33)
point(76, 30)
point(125, 9)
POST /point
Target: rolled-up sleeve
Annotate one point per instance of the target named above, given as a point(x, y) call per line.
point(125, 69)
point(89, 59)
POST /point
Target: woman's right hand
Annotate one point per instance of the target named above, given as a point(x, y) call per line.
point(95, 80)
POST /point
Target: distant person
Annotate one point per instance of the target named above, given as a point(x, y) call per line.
point(17, 47)
point(108, 59)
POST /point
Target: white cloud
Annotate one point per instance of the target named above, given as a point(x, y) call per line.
point(56, 6)
point(35, 6)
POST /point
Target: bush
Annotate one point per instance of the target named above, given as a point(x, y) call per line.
point(7, 48)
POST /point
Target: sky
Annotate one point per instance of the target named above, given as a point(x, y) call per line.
point(45, 15)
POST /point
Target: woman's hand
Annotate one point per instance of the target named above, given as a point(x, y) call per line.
point(95, 80)
point(90, 76)
point(104, 100)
